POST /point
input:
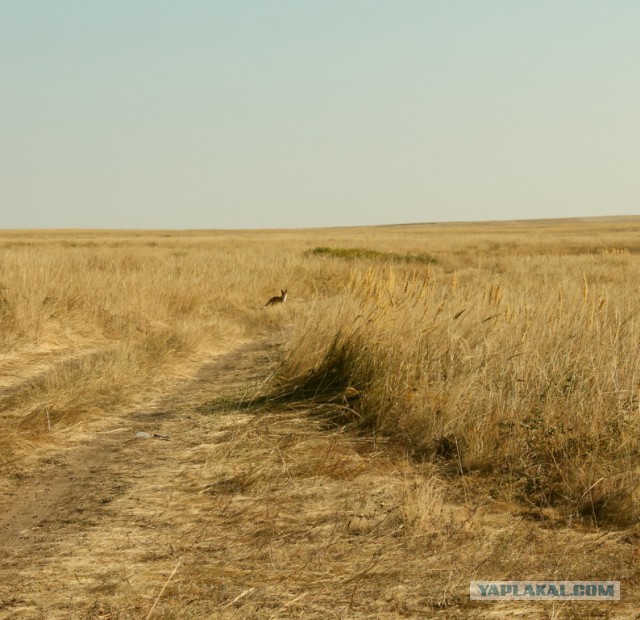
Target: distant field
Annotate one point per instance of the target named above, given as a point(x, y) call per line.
point(504, 354)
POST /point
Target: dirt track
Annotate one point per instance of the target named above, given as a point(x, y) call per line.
point(61, 534)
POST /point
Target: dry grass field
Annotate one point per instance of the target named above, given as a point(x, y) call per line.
point(433, 404)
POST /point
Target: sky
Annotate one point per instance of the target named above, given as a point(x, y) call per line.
point(183, 114)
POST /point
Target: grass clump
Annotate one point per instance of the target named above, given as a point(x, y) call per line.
point(420, 258)
point(536, 390)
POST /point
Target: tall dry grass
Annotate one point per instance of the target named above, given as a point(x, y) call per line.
point(91, 323)
point(514, 354)
point(508, 367)
point(95, 322)
point(527, 373)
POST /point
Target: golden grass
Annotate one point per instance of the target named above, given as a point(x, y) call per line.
point(515, 353)
point(92, 322)
point(530, 376)
point(505, 373)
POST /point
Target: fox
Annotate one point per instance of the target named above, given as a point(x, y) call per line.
point(278, 299)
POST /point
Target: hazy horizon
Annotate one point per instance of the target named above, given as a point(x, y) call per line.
point(519, 222)
point(232, 115)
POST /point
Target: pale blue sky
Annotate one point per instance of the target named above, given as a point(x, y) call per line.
point(273, 113)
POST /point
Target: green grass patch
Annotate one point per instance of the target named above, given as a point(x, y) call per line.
point(363, 254)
